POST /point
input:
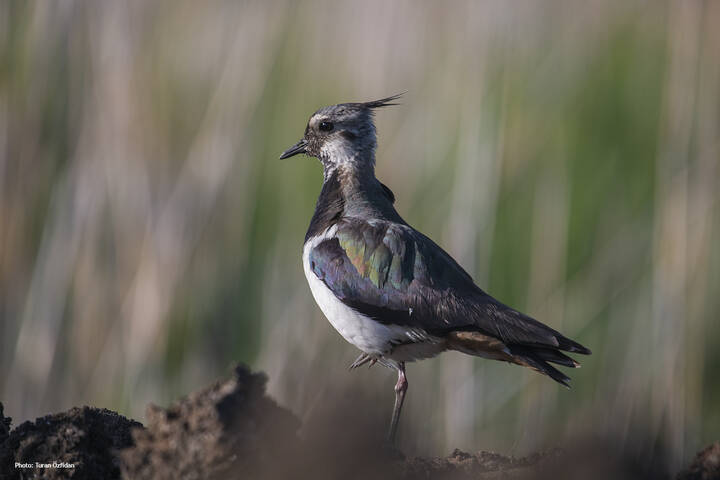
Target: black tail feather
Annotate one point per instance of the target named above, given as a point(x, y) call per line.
point(568, 345)
point(543, 367)
point(555, 356)
point(537, 358)
point(516, 328)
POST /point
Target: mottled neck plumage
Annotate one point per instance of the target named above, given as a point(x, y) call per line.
point(348, 158)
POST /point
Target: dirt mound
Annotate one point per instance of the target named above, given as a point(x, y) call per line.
point(81, 442)
point(4, 425)
point(233, 430)
point(705, 466)
point(482, 465)
point(229, 430)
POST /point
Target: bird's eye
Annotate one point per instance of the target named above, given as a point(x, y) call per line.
point(325, 126)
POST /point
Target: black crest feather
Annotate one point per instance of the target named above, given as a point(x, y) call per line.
point(383, 102)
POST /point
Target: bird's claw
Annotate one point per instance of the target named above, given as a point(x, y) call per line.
point(362, 360)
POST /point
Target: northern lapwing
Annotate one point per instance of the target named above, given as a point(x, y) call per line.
point(387, 288)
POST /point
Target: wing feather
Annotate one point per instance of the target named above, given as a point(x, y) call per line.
point(395, 275)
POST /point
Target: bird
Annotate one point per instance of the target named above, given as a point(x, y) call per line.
point(388, 289)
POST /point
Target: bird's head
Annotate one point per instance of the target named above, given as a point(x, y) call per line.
point(341, 134)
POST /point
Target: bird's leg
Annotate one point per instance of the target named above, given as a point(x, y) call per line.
point(400, 388)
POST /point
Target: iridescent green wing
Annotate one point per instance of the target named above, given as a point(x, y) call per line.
point(396, 275)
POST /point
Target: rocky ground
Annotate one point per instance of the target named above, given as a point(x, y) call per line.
point(233, 430)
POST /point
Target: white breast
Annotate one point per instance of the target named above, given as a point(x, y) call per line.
point(368, 335)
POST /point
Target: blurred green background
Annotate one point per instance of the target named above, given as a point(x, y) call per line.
point(566, 153)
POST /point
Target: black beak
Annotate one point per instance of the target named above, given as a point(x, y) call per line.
point(299, 147)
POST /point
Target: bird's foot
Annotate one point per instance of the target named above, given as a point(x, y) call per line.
point(362, 360)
